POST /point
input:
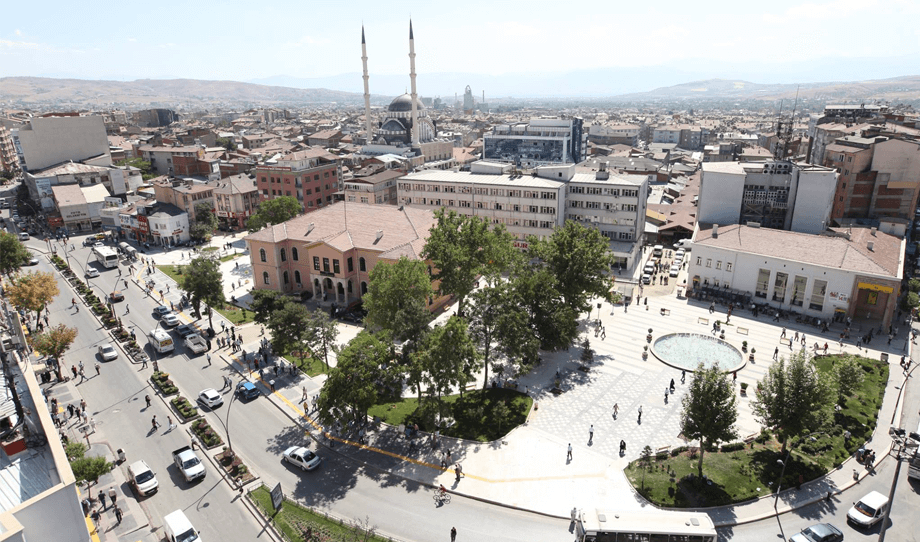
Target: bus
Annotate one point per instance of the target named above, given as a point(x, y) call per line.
point(624, 526)
point(107, 256)
point(161, 341)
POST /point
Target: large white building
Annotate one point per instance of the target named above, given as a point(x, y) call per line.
point(538, 142)
point(535, 204)
point(843, 273)
point(773, 194)
point(46, 141)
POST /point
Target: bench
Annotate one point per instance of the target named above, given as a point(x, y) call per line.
point(665, 312)
point(743, 330)
point(704, 321)
point(785, 342)
point(663, 449)
point(750, 438)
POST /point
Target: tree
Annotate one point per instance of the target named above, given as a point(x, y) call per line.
point(89, 469)
point(580, 259)
point(291, 329)
point(33, 291)
point(205, 221)
point(203, 282)
point(709, 410)
point(274, 211)
point(227, 143)
point(847, 375)
point(463, 247)
point(448, 357)
point(792, 398)
point(264, 303)
point(146, 167)
point(360, 377)
point(550, 320)
point(494, 312)
point(13, 254)
point(397, 298)
point(53, 342)
point(587, 353)
point(324, 333)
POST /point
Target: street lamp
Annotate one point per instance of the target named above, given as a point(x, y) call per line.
point(782, 472)
point(226, 424)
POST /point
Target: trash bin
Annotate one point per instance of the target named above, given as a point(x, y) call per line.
point(121, 455)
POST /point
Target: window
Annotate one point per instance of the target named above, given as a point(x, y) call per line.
point(265, 277)
point(326, 265)
point(283, 255)
point(728, 266)
point(351, 265)
point(294, 255)
point(817, 295)
point(708, 262)
point(798, 291)
point(779, 287)
point(335, 267)
point(763, 283)
point(297, 278)
point(316, 263)
point(699, 260)
point(719, 264)
point(285, 275)
point(361, 264)
point(262, 254)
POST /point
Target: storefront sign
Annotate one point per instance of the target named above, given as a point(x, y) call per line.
point(875, 287)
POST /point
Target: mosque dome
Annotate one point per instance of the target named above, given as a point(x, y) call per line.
point(404, 103)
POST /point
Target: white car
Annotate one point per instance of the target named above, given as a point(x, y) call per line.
point(107, 352)
point(170, 319)
point(210, 398)
point(869, 510)
point(675, 270)
point(646, 279)
point(92, 272)
point(142, 478)
point(301, 457)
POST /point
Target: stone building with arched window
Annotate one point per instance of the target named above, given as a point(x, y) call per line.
point(332, 251)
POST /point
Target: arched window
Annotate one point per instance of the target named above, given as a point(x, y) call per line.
point(349, 287)
point(297, 276)
point(294, 255)
point(262, 254)
point(265, 277)
point(362, 266)
point(363, 288)
point(285, 277)
point(283, 255)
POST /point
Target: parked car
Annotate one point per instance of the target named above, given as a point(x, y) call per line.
point(32, 260)
point(210, 398)
point(23, 236)
point(92, 272)
point(89, 241)
point(116, 296)
point(301, 457)
point(675, 270)
point(646, 279)
point(159, 310)
point(170, 319)
point(186, 329)
point(819, 532)
point(247, 391)
point(869, 510)
point(142, 478)
point(107, 352)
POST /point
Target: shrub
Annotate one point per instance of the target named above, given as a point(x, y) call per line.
point(763, 437)
point(732, 446)
point(679, 450)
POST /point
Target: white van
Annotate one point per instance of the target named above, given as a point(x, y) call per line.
point(178, 528)
point(657, 250)
point(868, 510)
point(161, 341)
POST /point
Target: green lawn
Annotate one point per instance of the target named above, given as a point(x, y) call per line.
point(477, 414)
point(209, 249)
point(736, 476)
point(172, 271)
point(231, 256)
point(236, 315)
point(312, 366)
point(294, 520)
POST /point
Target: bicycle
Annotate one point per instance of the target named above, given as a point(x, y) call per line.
point(441, 498)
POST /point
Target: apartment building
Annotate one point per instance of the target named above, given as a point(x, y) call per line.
point(180, 160)
point(538, 142)
point(46, 141)
point(311, 175)
point(614, 134)
point(9, 161)
point(378, 188)
point(236, 198)
point(184, 194)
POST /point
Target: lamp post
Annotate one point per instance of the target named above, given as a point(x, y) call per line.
point(782, 472)
point(226, 424)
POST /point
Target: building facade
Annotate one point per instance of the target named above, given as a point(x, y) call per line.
point(236, 198)
point(853, 273)
point(538, 142)
point(378, 188)
point(311, 175)
point(185, 195)
point(46, 141)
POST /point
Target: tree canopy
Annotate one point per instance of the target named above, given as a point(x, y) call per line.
point(32, 291)
point(292, 329)
point(324, 333)
point(274, 211)
point(709, 409)
point(550, 320)
point(226, 142)
point(463, 247)
point(205, 221)
point(793, 398)
point(54, 341)
point(448, 357)
point(203, 282)
point(397, 298)
point(264, 303)
point(146, 167)
point(13, 254)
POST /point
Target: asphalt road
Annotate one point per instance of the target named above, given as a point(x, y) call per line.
point(259, 433)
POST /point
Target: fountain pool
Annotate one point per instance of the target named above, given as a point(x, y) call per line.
point(687, 350)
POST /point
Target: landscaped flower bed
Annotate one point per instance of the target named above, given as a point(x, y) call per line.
point(185, 409)
point(208, 437)
point(234, 467)
point(164, 384)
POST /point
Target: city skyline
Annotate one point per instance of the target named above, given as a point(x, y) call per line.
point(639, 48)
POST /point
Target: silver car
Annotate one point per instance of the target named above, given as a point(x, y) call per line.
point(107, 352)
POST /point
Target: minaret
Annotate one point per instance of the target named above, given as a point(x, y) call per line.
point(415, 127)
point(367, 92)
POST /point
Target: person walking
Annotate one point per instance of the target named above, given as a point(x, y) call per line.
point(118, 515)
point(147, 400)
point(453, 534)
point(672, 384)
point(616, 409)
point(209, 360)
point(640, 415)
point(73, 369)
point(591, 433)
point(127, 309)
point(113, 495)
point(155, 423)
point(101, 497)
point(783, 334)
point(97, 370)
point(683, 377)
point(92, 424)
point(169, 424)
point(775, 353)
point(568, 456)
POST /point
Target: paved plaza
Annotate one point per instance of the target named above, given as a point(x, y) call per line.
point(529, 469)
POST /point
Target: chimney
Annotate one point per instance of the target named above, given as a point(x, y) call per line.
point(870, 246)
point(872, 231)
point(310, 227)
point(379, 235)
point(715, 231)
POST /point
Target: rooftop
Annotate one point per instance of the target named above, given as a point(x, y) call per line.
point(524, 181)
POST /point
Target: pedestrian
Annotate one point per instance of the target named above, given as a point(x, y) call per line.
point(271, 384)
point(169, 424)
point(775, 353)
point(304, 399)
point(640, 415)
point(155, 423)
point(568, 456)
point(147, 400)
point(458, 471)
point(591, 433)
point(209, 360)
point(113, 495)
point(156, 366)
point(118, 515)
point(101, 498)
point(796, 337)
point(683, 377)
point(672, 384)
point(666, 390)
point(73, 369)
point(97, 518)
point(97, 369)
point(453, 534)
point(803, 339)
point(83, 405)
point(92, 424)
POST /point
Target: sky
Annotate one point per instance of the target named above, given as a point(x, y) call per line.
point(246, 41)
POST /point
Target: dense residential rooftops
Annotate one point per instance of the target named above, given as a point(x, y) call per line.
point(835, 251)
